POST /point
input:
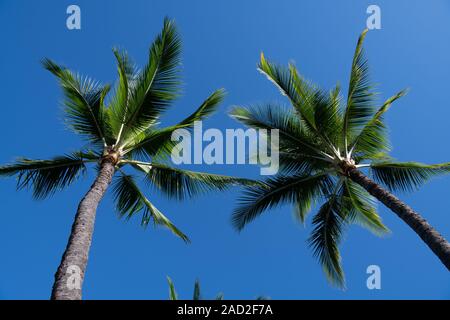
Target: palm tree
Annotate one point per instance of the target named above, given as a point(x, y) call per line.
point(324, 145)
point(121, 132)
point(197, 294)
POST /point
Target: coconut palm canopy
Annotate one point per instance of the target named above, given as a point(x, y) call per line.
point(123, 124)
point(322, 137)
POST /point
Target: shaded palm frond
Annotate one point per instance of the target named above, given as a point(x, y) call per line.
point(362, 208)
point(327, 117)
point(279, 190)
point(130, 201)
point(326, 235)
point(292, 135)
point(406, 176)
point(45, 177)
point(119, 107)
point(179, 183)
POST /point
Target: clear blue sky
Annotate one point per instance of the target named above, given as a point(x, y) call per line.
point(222, 42)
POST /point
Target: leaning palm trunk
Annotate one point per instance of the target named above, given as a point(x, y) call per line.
point(433, 239)
point(71, 271)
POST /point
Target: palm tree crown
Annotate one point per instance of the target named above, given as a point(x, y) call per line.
point(322, 137)
point(124, 128)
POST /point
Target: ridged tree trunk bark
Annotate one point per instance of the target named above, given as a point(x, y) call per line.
point(70, 274)
point(433, 239)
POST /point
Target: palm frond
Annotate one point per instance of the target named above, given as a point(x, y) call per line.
point(327, 117)
point(326, 235)
point(130, 201)
point(172, 292)
point(291, 85)
point(83, 102)
point(363, 208)
point(292, 135)
point(373, 139)
point(300, 92)
point(157, 142)
point(206, 108)
point(279, 190)
point(152, 144)
point(158, 84)
point(117, 112)
point(197, 295)
point(45, 177)
point(406, 176)
point(179, 183)
point(360, 99)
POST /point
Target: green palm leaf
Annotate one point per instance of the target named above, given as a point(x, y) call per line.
point(197, 295)
point(362, 208)
point(406, 176)
point(157, 142)
point(120, 103)
point(279, 190)
point(83, 102)
point(360, 99)
point(326, 235)
point(158, 84)
point(172, 293)
point(291, 85)
point(322, 141)
point(46, 177)
point(130, 201)
point(178, 183)
point(292, 135)
point(327, 116)
point(373, 139)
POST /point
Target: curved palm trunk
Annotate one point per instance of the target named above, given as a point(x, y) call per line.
point(70, 275)
point(433, 239)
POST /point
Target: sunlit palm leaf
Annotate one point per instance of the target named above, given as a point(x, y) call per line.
point(157, 142)
point(360, 99)
point(119, 108)
point(83, 102)
point(158, 84)
point(294, 87)
point(172, 293)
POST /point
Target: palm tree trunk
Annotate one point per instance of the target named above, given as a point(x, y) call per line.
point(70, 275)
point(433, 239)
